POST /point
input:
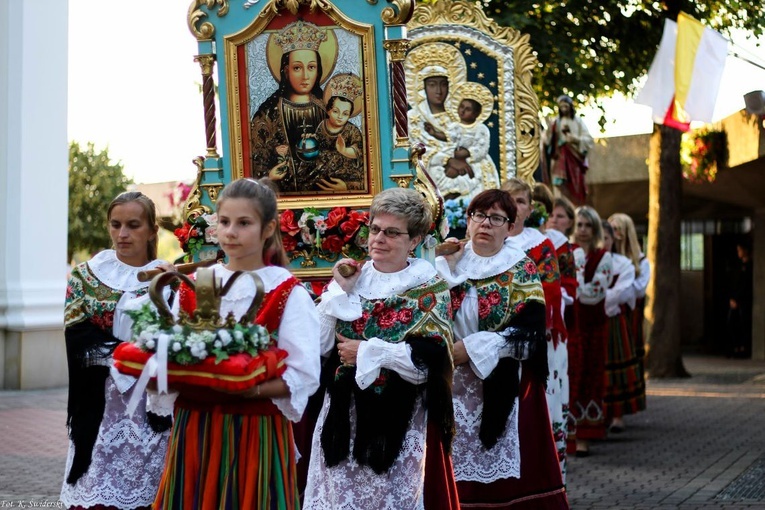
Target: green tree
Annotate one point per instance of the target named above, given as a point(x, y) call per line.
point(93, 182)
point(590, 49)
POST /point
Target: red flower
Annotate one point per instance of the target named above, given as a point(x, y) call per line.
point(352, 224)
point(530, 268)
point(289, 243)
point(359, 324)
point(183, 233)
point(494, 298)
point(378, 308)
point(458, 294)
point(387, 318)
point(105, 321)
point(405, 315)
point(335, 216)
point(332, 243)
point(484, 308)
point(287, 223)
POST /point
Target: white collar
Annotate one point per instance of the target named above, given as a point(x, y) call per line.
point(528, 238)
point(476, 267)
point(117, 275)
point(373, 284)
point(272, 277)
point(558, 238)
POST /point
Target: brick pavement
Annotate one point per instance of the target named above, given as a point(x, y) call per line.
point(699, 445)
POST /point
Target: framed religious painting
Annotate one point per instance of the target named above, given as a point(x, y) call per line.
point(302, 111)
point(311, 95)
point(470, 98)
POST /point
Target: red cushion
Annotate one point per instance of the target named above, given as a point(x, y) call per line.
point(239, 372)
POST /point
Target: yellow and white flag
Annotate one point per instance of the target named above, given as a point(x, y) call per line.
point(684, 77)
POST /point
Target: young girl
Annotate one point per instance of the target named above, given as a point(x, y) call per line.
point(237, 450)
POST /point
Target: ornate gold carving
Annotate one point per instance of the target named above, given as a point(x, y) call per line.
point(213, 190)
point(424, 183)
point(391, 16)
point(470, 14)
point(294, 5)
point(206, 62)
point(193, 206)
point(204, 31)
point(402, 180)
point(397, 49)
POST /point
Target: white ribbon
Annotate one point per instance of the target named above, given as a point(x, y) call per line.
point(156, 366)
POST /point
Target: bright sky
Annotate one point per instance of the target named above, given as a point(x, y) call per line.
point(133, 87)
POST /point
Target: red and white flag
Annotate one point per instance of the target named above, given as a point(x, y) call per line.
point(684, 77)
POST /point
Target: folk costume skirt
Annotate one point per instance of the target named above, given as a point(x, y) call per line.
point(625, 385)
point(540, 486)
point(221, 459)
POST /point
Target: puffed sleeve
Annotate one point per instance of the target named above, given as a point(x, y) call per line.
point(621, 291)
point(299, 336)
point(335, 304)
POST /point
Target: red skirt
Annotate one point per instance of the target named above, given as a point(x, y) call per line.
point(540, 486)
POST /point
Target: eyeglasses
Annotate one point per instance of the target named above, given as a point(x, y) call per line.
point(389, 232)
point(495, 220)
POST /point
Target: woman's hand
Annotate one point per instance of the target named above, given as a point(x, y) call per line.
point(460, 355)
point(332, 184)
point(166, 267)
point(348, 349)
point(347, 282)
point(278, 172)
point(453, 258)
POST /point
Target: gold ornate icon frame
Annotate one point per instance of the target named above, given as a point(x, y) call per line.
point(239, 111)
point(459, 23)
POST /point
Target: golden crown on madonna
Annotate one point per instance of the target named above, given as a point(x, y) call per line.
point(345, 85)
point(300, 35)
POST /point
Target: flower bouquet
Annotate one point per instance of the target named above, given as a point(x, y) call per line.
point(324, 234)
point(200, 230)
point(200, 348)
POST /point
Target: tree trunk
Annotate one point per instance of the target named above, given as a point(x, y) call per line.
point(664, 357)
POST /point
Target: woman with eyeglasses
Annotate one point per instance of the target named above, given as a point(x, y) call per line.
point(587, 342)
point(504, 455)
point(540, 249)
point(384, 433)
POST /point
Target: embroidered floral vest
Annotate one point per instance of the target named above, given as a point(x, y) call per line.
point(424, 310)
point(502, 297)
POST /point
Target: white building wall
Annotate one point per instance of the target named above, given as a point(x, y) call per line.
point(33, 192)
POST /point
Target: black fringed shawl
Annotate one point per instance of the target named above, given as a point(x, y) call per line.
point(87, 345)
point(502, 385)
point(518, 314)
point(382, 417)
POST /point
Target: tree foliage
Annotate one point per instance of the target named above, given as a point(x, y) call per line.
point(591, 48)
point(93, 182)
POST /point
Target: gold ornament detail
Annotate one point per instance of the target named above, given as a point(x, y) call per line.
point(206, 62)
point(402, 180)
point(424, 183)
point(399, 16)
point(397, 48)
point(193, 206)
point(204, 30)
point(294, 5)
point(470, 14)
point(213, 190)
